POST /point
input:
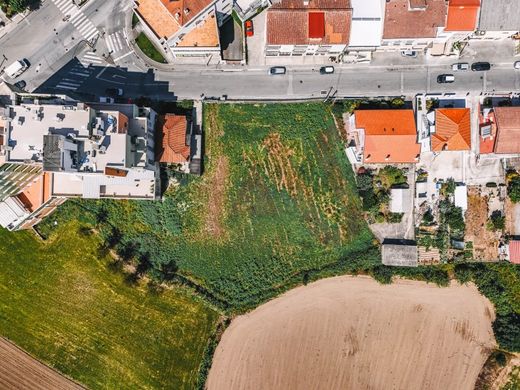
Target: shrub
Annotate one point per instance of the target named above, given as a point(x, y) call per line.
point(513, 189)
point(496, 221)
point(427, 218)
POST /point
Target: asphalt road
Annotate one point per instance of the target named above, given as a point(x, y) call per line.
point(46, 41)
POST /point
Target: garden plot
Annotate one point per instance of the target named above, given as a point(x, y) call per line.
point(480, 231)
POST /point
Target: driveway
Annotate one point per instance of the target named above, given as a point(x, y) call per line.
point(256, 44)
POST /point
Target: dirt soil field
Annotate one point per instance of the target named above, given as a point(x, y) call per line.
point(18, 370)
point(354, 333)
point(485, 242)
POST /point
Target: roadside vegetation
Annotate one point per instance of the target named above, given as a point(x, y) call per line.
point(148, 48)
point(76, 309)
point(13, 7)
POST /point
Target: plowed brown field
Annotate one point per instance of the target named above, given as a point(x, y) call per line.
point(354, 333)
point(18, 370)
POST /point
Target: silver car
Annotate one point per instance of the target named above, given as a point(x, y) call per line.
point(460, 67)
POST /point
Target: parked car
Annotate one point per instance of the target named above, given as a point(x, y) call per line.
point(104, 99)
point(445, 78)
point(517, 65)
point(326, 70)
point(113, 92)
point(409, 53)
point(20, 84)
point(480, 66)
point(460, 67)
point(17, 68)
point(277, 70)
point(249, 28)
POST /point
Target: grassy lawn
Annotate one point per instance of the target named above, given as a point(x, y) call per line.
point(148, 48)
point(67, 307)
point(276, 207)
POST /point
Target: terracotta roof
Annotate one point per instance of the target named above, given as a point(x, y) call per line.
point(508, 129)
point(514, 251)
point(390, 136)
point(36, 193)
point(204, 35)
point(404, 21)
point(172, 146)
point(320, 22)
point(452, 129)
point(462, 15)
point(157, 17)
point(185, 10)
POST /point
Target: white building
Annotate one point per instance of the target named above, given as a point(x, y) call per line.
point(55, 148)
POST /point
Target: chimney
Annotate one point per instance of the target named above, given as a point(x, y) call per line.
point(387, 157)
point(305, 3)
point(177, 15)
point(186, 11)
point(393, 129)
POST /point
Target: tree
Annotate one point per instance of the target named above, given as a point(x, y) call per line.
point(18, 6)
point(513, 189)
point(497, 221)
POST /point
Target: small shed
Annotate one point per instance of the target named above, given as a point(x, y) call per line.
point(400, 200)
point(514, 251)
point(461, 197)
point(402, 253)
point(421, 189)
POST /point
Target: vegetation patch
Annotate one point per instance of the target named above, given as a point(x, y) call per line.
point(148, 48)
point(277, 204)
point(69, 305)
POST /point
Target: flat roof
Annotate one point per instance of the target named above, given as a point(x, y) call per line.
point(30, 122)
point(499, 15)
point(367, 23)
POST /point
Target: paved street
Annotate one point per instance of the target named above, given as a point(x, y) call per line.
point(63, 60)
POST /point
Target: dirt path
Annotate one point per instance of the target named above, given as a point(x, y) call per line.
point(216, 201)
point(353, 333)
point(18, 370)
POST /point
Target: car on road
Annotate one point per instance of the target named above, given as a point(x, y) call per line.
point(409, 53)
point(104, 99)
point(516, 65)
point(20, 84)
point(326, 70)
point(445, 78)
point(277, 70)
point(113, 92)
point(249, 28)
point(480, 66)
point(17, 68)
point(460, 67)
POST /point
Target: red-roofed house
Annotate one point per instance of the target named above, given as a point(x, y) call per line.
point(383, 137)
point(296, 27)
point(514, 251)
point(174, 144)
point(462, 15)
point(412, 24)
point(452, 130)
point(507, 120)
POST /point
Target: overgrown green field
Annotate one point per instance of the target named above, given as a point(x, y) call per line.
point(62, 302)
point(275, 207)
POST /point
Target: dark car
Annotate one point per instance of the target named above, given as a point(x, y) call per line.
point(20, 84)
point(327, 70)
point(276, 70)
point(480, 66)
point(113, 92)
point(445, 78)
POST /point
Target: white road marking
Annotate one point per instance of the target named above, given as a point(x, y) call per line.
point(123, 56)
point(114, 42)
point(77, 18)
point(60, 86)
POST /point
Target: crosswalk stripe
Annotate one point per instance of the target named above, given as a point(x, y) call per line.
point(80, 74)
point(77, 18)
point(91, 35)
point(119, 44)
point(69, 84)
point(66, 87)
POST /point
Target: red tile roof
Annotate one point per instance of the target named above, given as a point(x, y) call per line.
point(514, 251)
point(390, 136)
point(508, 129)
point(185, 10)
point(320, 22)
point(172, 147)
point(403, 20)
point(462, 15)
point(452, 129)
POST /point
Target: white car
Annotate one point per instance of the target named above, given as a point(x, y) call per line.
point(517, 65)
point(460, 67)
point(409, 53)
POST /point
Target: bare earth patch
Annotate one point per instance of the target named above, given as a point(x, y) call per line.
point(354, 333)
point(217, 186)
point(485, 242)
point(19, 370)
